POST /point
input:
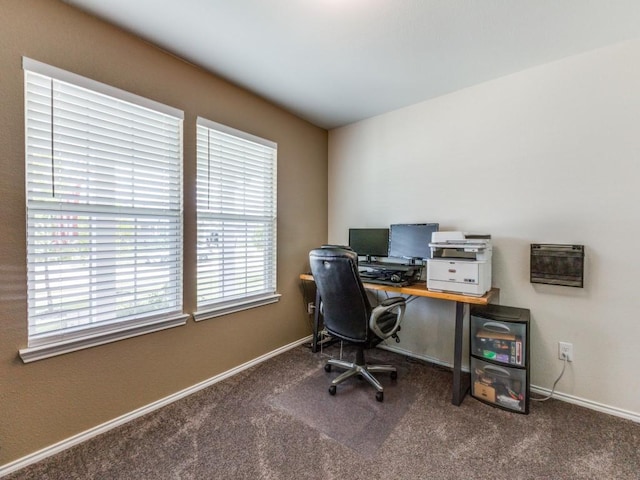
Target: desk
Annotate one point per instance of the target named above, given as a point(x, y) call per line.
point(460, 382)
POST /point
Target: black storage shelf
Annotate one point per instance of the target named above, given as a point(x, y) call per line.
point(499, 356)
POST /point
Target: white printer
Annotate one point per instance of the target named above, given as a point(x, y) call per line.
point(460, 263)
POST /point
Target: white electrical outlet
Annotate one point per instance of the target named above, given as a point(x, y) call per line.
point(565, 350)
point(310, 307)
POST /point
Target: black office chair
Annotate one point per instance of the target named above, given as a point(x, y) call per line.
point(348, 315)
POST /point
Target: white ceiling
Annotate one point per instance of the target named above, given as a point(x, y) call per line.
point(334, 62)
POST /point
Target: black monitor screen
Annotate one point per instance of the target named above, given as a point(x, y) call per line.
point(411, 241)
point(369, 242)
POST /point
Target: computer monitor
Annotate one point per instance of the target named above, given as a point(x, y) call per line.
point(411, 241)
point(369, 242)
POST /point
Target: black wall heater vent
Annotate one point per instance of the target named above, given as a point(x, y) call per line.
point(555, 264)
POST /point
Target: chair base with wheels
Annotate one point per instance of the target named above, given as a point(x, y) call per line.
point(360, 368)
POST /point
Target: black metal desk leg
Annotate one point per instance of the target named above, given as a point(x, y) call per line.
point(316, 323)
point(460, 380)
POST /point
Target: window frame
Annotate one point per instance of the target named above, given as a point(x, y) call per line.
point(105, 332)
point(206, 310)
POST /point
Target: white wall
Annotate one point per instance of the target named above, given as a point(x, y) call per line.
point(547, 155)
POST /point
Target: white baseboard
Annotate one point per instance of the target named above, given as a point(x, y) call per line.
point(116, 422)
point(600, 407)
point(426, 358)
point(617, 412)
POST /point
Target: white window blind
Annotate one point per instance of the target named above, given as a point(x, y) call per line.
point(104, 210)
point(236, 218)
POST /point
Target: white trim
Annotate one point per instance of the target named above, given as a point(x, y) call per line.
point(236, 306)
point(31, 354)
point(426, 358)
point(234, 132)
point(600, 407)
point(121, 420)
point(84, 82)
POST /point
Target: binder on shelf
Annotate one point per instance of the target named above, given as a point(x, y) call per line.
point(501, 347)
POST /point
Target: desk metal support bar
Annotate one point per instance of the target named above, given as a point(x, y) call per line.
point(316, 323)
point(460, 380)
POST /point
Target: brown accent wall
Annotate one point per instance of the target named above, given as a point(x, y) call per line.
point(50, 400)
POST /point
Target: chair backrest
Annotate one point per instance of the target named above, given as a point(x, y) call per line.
point(345, 305)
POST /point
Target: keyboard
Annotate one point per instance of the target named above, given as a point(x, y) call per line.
point(369, 275)
point(380, 281)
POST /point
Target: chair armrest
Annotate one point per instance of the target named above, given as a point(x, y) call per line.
point(397, 304)
point(391, 301)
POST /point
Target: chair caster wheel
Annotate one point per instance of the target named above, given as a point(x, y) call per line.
point(327, 367)
point(332, 390)
point(394, 375)
point(380, 396)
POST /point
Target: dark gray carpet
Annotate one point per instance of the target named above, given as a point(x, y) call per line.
point(250, 427)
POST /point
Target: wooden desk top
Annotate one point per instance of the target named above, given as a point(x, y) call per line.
point(420, 290)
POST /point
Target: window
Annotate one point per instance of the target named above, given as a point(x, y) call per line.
point(104, 213)
point(236, 211)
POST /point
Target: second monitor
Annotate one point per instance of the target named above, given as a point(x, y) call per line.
point(411, 241)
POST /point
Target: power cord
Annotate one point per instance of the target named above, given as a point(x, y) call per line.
point(553, 389)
